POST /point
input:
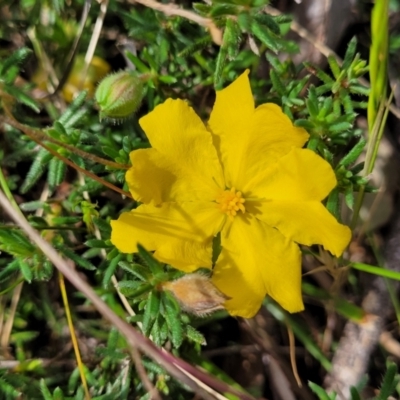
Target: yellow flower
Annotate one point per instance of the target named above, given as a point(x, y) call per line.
point(245, 176)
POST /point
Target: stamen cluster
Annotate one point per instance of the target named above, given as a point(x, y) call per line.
point(230, 202)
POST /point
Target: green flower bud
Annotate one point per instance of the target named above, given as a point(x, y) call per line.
point(119, 95)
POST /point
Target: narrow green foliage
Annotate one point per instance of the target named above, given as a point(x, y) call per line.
point(151, 311)
point(96, 243)
point(201, 8)
point(22, 97)
point(379, 271)
point(350, 54)
point(110, 270)
point(195, 335)
point(9, 270)
point(269, 22)
point(172, 316)
point(390, 381)
point(301, 332)
point(58, 394)
point(355, 395)
point(77, 259)
point(378, 60)
point(16, 58)
point(230, 44)
point(56, 173)
point(220, 10)
point(244, 20)
point(332, 204)
point(334, 66)
point(265, 36)
point(15, 243)
point(349, 196)
point(139, 271)
point(277, 83)
point(45, 391)
point(353, 154)
point(130, 288)
point(320, 392)
point(26, 271)
point(36, 170)
point(74, 112)
point(154, 266)
point(343, 307)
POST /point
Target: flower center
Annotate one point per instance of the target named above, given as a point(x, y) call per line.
point(230, 202)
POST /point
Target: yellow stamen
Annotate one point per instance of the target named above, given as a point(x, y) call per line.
point(230, 202)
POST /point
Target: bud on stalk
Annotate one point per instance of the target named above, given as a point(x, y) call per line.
point(119, 95)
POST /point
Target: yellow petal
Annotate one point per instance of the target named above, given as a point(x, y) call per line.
point(270, 137)
point(183, 157)
point(180, 234)
point(229, 122)
point(156, 178)
point(257, 260)
point(250, 140)
point(300, 175)
point(305, 223)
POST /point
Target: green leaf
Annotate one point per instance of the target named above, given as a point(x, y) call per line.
point(45, 391)
point(140, 66)
point(345, 308)
point(26, 271)
point(151, 311)
point(220, 10)
point(129, 288)
point(220, 63)
point(36, 170)
point(33, 206)
point(96, 243)
point(269, 22)
point(17, 57)
point(355, 395)
point(9, 270)
point(332, 203)
point(323, 76)
point(319, 391)
point(22, 97)
point(349, 196)
point(110, 270)
point(300, 331)
point(350, 53)
point(195, 335)
point(137, 270)
point(379, 271)
point(57, 170)
point(264, 36)
point(244, 20)
point(172, 316)
point(155, 267)
point(233, 37)
point(277, 83)
point(334, 65)
point(167, 79)
point(390, 380)
point(78, 259)
point(340, 127)
point(202, 9)
point(74, 112)
point(353, 154)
